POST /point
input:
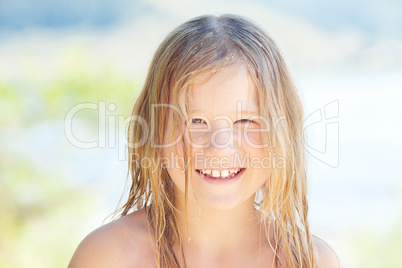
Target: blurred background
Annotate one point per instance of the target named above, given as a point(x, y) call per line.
point(345, 56)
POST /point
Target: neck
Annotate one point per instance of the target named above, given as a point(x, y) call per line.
point(218, 233)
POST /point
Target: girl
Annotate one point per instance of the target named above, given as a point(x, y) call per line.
point(216, 159)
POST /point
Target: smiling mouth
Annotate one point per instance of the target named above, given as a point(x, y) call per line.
point(219, 174)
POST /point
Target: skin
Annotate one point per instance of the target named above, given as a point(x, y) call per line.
point(221, 224)
point(217, 211)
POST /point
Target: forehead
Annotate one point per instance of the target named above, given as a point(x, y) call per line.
point(225, 92)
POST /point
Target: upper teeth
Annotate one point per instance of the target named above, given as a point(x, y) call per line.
point(220, 173)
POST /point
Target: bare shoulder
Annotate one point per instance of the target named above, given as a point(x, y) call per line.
point(327, 257)
point(122, 243)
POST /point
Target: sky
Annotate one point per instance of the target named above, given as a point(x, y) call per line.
point(359, 36)
point(370, 17)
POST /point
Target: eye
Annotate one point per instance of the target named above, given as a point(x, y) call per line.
point(247, 124)
point(197, 121)
point(245, 121)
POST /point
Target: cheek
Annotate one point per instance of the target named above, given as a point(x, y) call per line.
point(174, 164)
point(253, 142)
point(177, 177)
point(172, 141)
point(173, 158)
point(253, 137)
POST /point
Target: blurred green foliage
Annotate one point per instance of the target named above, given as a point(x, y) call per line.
point(37, 212)
point(41, 210)
point(380, 247)
point(28, 102)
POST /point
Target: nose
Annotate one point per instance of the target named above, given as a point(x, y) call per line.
point(220, 140)
point(222, 137)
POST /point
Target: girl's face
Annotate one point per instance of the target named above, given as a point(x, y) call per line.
point(223, 142)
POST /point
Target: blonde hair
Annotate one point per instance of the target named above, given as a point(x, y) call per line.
point(205, 45)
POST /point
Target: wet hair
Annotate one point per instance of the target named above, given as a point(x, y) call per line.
point(204, 46)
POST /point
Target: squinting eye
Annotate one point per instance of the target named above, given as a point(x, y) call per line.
point(245, 121)
point(197, 121)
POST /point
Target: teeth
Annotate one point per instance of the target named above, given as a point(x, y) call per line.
point(223, 174)
point(216, 173)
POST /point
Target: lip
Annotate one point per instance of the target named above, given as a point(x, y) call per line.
point(223, 181)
